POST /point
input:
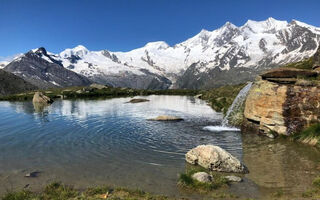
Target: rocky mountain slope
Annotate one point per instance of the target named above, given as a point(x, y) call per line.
point(12, 84)
point(228, 55)
point(41, 69)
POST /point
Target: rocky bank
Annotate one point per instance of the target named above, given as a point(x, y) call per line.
point(283, 101)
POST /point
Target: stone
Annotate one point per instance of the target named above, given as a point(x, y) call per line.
point(166, 118)
point(198, 96)
point(39, 97)
point(32, 174)
point(98, 86)
point(215, 158)
point(138, 100)
point(202, 177)
point(233, 178)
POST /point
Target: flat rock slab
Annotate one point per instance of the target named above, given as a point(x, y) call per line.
point(166, 118)
point(288, 73)
point(215, 158)
point(138, 100)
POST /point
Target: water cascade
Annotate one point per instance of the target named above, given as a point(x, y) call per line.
point(235, 106)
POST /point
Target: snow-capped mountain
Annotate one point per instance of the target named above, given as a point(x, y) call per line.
point(41, 69)
point(228, 55)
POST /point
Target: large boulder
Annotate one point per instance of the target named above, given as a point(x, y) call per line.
point(40, 98)
point(215, 158)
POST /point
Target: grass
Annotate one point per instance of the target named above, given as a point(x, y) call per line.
point(310, 135)
point(314, 192)
point(187, 182)
point(304, 64)
point(58, 191)
point(221, 98)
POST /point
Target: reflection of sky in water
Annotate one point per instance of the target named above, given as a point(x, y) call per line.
point(87, 142)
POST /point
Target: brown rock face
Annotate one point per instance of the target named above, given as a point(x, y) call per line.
point(283, 108)
point(264, 106)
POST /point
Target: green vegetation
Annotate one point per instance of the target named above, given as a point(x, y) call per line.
point(187, 182)
point(310, 135)
point(314, 192)
point(304, 64)
point(89, 92)
point(221, 98)
point(58, 191)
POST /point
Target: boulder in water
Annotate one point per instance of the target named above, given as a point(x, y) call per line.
point(138, 100)
point(32, 174)
point(202, 177)
point(39, 97)
point(166, 118)
point(215, 158)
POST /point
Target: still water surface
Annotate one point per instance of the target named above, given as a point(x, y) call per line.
point(97, 142)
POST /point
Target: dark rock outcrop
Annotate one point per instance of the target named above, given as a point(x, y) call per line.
point(42, 70)
point(12, 84)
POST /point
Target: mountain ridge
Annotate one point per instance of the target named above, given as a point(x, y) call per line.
point(227, 55)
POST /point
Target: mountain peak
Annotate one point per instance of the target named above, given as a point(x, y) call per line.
point(80, 48)
point(265, 26)
point(229, 25)
point(157, 45)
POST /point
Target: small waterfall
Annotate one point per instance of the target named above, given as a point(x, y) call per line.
point(237, 103)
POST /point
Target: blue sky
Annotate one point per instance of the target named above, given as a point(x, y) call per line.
point(122, 25)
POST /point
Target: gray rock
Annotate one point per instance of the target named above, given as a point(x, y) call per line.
point(233, 178)
point(138, 100)
point(202, 177)
point(166, 118)
point(32, 174)
point(98, 86)
point(215, 158)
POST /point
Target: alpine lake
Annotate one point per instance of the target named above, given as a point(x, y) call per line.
point(88, 143)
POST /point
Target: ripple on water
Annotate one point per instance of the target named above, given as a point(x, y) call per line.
point(89, 142)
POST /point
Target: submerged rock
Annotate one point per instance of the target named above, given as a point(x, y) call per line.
point(215, 158)
point(202, 177)
point(233, 178)
point(32, 174)
point(138, 100)
point(39, 97)
point(166, 118)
